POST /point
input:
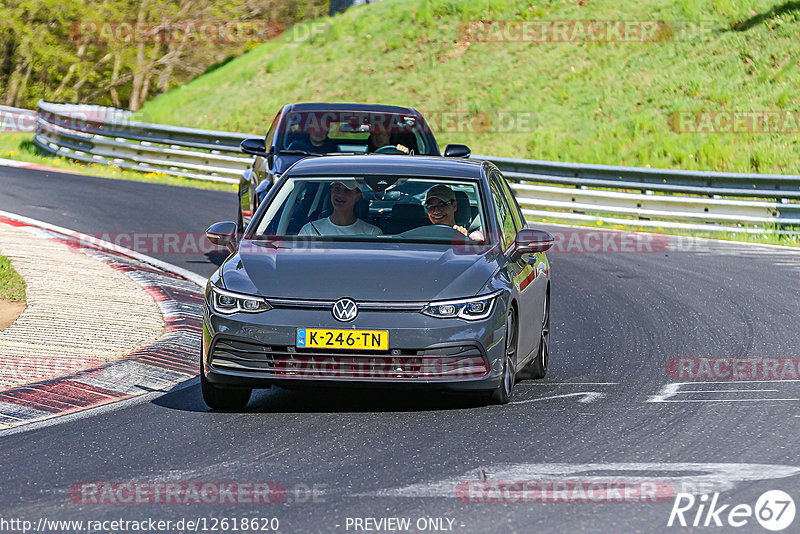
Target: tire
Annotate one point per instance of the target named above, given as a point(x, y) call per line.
point(219, 398)
point(537, 368)
point(502, 394)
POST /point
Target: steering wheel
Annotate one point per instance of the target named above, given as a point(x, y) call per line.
point(436, 231)
point(388, 149)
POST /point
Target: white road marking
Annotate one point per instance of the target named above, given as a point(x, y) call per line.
point(568, 384)
point(728, 400)
point(588, 396)
point(675, 388)
point(684, 477)
point(724, 390)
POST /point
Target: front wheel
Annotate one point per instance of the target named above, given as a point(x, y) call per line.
point(502, 394)
point(219, 398)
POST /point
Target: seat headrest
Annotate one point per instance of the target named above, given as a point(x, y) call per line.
point(463, 213)
point(409, 212)
point(361, 208)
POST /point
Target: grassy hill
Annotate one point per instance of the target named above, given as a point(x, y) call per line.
point(594, 102)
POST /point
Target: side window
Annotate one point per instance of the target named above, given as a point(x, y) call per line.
point(504, 218)
point(512, 203)
point(272, 128)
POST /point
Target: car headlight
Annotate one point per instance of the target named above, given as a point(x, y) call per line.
point(471, 309)
point(227, 302)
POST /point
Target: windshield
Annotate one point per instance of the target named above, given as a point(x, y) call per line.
point(355, 132)
point(375, 208)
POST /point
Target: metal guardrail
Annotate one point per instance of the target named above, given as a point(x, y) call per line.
point(696, 200)
point(714, 201)
point(98, 134)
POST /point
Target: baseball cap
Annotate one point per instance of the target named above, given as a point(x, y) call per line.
point(349, 184)
point(442, 192)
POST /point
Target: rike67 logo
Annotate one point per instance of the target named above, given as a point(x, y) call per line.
point(774, 510)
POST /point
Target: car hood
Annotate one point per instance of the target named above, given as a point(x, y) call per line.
point(284, 161)
point(357, 270)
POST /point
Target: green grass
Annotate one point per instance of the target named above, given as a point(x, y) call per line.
point(20, 147)
point(12, 286)
point(592, 102)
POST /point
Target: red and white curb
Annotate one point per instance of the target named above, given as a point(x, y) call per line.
point(171, 359)
point(35, 166)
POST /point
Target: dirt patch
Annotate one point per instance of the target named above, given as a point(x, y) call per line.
point(9, 311)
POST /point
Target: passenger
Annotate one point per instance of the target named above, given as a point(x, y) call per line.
point(441, 205)
point(344, 195)
point(318, 141)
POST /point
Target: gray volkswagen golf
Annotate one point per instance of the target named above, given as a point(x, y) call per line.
point(382, 270)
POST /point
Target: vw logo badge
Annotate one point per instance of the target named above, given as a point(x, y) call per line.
point(345, 310)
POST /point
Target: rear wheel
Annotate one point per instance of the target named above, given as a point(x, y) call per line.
point(503, 392)
point(221, 398)
point(537, 368)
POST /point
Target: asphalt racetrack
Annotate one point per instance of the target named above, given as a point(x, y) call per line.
point(614, 410)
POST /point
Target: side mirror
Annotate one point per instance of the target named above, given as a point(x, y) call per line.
point(457, 151)
point(529, 241)
point(223, 234)
point(254, 145)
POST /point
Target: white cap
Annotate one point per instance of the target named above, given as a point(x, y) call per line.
point(348, 183)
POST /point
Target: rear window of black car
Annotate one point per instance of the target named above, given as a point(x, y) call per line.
point(354, 132)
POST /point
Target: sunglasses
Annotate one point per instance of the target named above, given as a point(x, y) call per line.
point(430, 206)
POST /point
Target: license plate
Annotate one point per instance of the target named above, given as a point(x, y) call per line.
point(323, 338)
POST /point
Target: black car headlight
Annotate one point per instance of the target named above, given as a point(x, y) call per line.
point(227, 302)
point(471, 309)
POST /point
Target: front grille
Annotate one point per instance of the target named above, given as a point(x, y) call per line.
point(449, 363)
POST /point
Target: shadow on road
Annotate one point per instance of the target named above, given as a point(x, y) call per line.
point(330, 400)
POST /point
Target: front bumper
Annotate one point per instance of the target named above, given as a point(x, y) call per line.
point(259, 350)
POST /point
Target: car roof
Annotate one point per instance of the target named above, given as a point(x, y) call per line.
point(374, 108)
point(368, 164)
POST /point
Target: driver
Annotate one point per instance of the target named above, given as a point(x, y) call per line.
point(441, 205)
point(380, 139)
point(344, 195)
